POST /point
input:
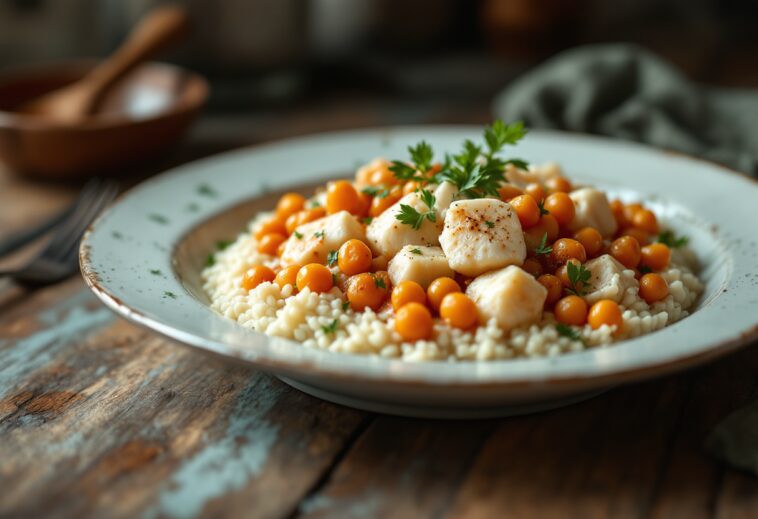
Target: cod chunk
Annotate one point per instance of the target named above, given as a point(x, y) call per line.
point(510, 295)
point(608, 280)
point(593, 210)
point(420, 264)
point(387, 235)
point(312, 241)
point(482, 235)
point(445, 195)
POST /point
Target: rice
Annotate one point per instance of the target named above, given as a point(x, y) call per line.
point(309, 318)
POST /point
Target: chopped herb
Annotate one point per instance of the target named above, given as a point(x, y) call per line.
point(569, 332)
point(315, 203)
point(330, 328)
point(543, 247)
point(670, 239)
point(578, 277)
point(416, 251)
point(210, 260)
point(644, 269)
point(379, 281)
point(410, 216)
point(422, 155)
point(334, 278)
point(298, 235)
point(489, 224)
point(331, 258)
point(376, 192)
point(319, 234)
point(169, 294)
point(223, 244)
point(345, 305)
point(500, 134)
point(158, 218)
point(206, 190)
point(156, 272)
point(541, 205)
point(368, 220)
point(117, 235)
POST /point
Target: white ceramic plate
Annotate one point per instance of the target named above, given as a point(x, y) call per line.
point(144, 255)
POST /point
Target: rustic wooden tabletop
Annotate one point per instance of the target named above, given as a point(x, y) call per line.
point(101, 418)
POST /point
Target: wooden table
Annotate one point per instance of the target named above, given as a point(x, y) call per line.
point(101, 418)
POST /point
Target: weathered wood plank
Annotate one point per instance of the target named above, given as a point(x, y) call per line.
point(98, 417)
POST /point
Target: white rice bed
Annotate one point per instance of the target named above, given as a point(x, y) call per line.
point(301, 316)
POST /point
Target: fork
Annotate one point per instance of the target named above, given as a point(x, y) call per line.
point(59, 258)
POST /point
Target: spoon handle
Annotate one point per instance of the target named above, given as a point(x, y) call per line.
point(161, 27)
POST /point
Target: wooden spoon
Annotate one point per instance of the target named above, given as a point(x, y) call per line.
point(160, 28)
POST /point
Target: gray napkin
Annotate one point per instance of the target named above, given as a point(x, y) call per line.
point(625, 91)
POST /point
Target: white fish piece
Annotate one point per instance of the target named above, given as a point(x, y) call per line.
point(609, 279)
point(387, 235)
point(481, 235)
point(445, 195)
point(312, 241)
point(420, 264)
point(535, 174)
point(511, 295)
point(593, 210)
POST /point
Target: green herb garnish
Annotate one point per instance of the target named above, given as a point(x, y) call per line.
point(223, 244)
point(298, 235)
point(169, 294)
point(416, 251)
point(206, 190)
point(331, 258)
point(578, 277)
point(376, 192)
point(541, 205)
point(421, 158)
point(210, 260)
point(345, 305)
point(644, 269)
point(367, 220)
point(378, 281)
point(330, 328)
point(156, 272)
point(569, 332)
point(543, 247)
point(158, 218)
point(319, 234)
point(410, 216)
point(489, 224)
point(670, 239)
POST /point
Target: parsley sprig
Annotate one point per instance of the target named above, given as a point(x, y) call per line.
point(421, 162)
point(331, 258)
point(330, 328)
point(567, 331)
point(578, 277)
point(410, 216)
point(543, 248)
point(376, 191)
point(670, 239)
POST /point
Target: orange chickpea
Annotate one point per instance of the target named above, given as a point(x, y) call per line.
point(458, 311)
point(270, 243)
point(410, 187)
point(605, 312)
point(365, 290)
point(269, 226)
point(354, 257)
point(547, 225)
point(509, 191)
point(439, 288)
point(532, 266)
point(571, 310)
point(289, 204)
point(591, 240)
point(646, 220)
point(379, 205)
point(382, 176)
point(535, 190)
point(287, 276)
point(627, 251)
point(656, 256)
point(638, 234)
point(414, 322)
point(342, 196)
point(630, 210)
point(379, 263)
point(314, 276)
point(617, 206)
point(558, 185)
point(554, 287)
point(565, 249)
point(305, 216)
point(527, 210)
point(653, 288)
point(407, 292)
point(257, 275)
point(561, 206)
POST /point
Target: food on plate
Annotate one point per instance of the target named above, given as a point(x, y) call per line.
point(465, 256)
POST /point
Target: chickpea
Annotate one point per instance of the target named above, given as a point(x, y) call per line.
point(342, 196)
point(270, 243)
point(565, 249)
point(561, 206)
point(558, 185)
point(257, 275)
point(315, 277)
point(365, 290)
point(646, 220)
point(299, 218)
point(571, 310)
point(617, 206)
point(532, 266)
point(627, 251)
point(407, 292)
point(656, 256)
point(354, 257)
point(459, 311)
point(653, 288)
point(527, 210)
point(508, 192)
point(439, 288)
point(591, 240)
point(605, 312)
point(414, 322)
point(535, 190)
point(287, 276)
point(554, 287)
point(289, 204)
point(638, 234)
point(272, 225)
point(379, 205)
point(630, 210)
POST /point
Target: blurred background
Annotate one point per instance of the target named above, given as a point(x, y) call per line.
point(287, 67)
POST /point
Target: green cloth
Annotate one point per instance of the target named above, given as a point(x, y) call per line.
point(625, 91)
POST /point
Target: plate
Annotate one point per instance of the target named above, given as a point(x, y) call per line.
point(143, 259)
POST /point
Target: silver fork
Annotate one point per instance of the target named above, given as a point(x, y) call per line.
point(59, 258)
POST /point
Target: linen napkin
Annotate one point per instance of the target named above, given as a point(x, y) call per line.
point(627, 92)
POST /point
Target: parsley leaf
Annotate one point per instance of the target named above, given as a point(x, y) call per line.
point(491, 224)
point(319, 234)
point(368, 220)
point(223, 244)
point(543, 247)
point(644, 269)
point(376, 192)
point(541, 206)
point(578, 277)
point(422, 155)
point(410, 216)
point(500, 134)
point(345, 305)
point(670, 239)
point(403, 171)
point(331, 327)
point(379, 281)
point(331, 258)
point(567, 331)
point(298, 235)
point(210, 260)
point(416, 251)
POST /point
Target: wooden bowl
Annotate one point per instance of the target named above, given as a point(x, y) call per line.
point(145, 115)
